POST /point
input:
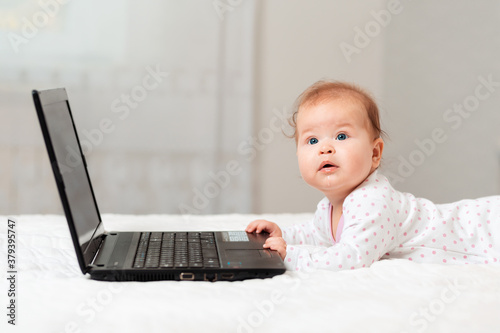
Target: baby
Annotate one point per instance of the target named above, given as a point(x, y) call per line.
point(362, 219)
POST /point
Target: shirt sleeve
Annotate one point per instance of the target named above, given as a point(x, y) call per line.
point(300, 234)
point(369, 232)
point(312, 232)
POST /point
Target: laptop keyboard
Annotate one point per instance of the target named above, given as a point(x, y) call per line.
point(176, 249)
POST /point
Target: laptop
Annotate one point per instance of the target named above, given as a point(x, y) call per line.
point(138, 256)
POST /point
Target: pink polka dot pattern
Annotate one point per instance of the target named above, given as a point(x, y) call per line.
point(379, 222)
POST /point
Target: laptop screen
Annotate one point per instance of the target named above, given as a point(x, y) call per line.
point(71, 173)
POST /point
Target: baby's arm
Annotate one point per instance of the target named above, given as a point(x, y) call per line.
point(301, 234)
point(278, 244)
point(275, 241)
point(369, 232)
point(259, 226)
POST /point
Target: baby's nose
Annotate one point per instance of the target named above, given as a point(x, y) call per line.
point(327, 149)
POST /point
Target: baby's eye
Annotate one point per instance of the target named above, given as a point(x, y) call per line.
point(341, 136)
point(312, 141)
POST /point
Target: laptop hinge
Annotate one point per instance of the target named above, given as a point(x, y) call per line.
point(103, 236)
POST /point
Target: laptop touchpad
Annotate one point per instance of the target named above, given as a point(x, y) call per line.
point(238, 254)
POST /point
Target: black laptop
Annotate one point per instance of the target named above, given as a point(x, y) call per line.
point(138, 256)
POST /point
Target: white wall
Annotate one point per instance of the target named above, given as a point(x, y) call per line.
point(170, 144)
point(432, 67)
point(418, 63)
point(234, 70)
point(300, 44)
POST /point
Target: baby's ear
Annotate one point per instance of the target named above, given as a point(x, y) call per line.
point(378, 148)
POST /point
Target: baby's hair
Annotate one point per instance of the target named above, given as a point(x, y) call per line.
point(328, 90)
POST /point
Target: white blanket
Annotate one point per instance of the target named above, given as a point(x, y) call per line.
point(52, 295)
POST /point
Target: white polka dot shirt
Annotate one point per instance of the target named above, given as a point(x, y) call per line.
point(379, 222)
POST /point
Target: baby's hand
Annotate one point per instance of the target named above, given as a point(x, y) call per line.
point(262, 225)
point(277, 244)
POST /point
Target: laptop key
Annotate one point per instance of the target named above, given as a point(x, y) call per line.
point(209, 253)
point(181, 249)
point(196, 264)
point(166, 264)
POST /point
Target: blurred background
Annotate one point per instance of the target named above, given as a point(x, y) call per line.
point(196, 95)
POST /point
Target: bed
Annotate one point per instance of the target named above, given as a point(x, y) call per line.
point(52, 295)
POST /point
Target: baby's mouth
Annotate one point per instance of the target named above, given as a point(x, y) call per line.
point(327, 166)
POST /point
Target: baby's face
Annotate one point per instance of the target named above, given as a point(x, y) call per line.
point(335, 146)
